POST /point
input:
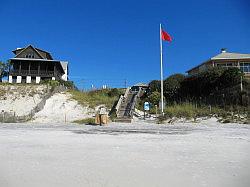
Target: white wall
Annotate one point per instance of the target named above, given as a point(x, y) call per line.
point(28, 79)
point(10, 79)
point(18, 79)
point(65, 68)
point(38, 79)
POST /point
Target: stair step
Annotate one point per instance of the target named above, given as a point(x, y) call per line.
point(123, 120)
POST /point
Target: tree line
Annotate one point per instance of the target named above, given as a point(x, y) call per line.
point(179, 88)
point(4, 69)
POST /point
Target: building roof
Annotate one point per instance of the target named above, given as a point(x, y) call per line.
point(141, 85)
point(35, 59)
point(20, 50)
point(224, 56)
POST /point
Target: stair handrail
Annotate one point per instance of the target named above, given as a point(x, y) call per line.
point(119, 104)
point(126, 92)
point(133, 106)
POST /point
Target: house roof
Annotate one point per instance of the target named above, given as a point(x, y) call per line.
point(20, 50)
point(141, 85)
point(224, 56)
point(35, 59)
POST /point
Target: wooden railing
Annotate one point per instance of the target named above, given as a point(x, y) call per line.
point(244, 69)
point(41, 73)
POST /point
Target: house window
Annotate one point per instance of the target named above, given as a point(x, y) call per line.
point(30, 55)
point(219, 65)
point(245, 67)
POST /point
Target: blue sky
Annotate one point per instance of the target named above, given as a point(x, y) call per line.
point(107, 42)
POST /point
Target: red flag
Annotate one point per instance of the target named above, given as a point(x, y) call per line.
point(165, 36)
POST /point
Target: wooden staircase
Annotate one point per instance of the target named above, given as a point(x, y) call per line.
point(126, 106)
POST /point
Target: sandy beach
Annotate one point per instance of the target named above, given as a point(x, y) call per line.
point(138, 154)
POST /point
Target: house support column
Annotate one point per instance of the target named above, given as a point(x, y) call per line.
point(10, 79)
point(54, 69)
point(28, 79)
point(38, 68)
point(19, 79)
point(29, 67)
point(38, 79)
point(20, 67)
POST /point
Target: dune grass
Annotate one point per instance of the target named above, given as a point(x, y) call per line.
point(85, 121)
point(105, 97)
point(191, 111)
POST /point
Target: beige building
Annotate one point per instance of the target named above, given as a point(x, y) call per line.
point(225, 60)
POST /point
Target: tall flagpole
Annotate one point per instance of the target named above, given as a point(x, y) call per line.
point(162, 104)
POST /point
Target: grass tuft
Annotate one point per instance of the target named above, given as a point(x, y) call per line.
point(95, 98)
point(85, 121)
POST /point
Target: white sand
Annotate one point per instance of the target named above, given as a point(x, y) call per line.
point(190, 155)
point(21, 99)
point(60, 108)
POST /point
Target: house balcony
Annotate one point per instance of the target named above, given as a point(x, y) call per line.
point(34, 73)
point(244, 69)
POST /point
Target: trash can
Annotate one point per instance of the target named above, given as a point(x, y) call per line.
point(101, 117)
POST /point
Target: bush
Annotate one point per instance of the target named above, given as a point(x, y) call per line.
point(52, 83)
point(88, 121)
point(154, 98)
point(68, 84)
point(171, 87)
point(155, 85)
point(114, 92)
point(230, 77)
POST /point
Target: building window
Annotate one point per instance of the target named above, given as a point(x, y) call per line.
point(219, 65)
point(30, 55)
point(245, 67)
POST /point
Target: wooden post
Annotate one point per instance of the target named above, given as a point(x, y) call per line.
point(156, 110)
point(46, 67)
point(39, 68)
point(29, 67)
point(20, 67)
point(54, 70)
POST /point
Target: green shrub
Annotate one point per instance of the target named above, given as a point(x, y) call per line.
point(94, 98)
point(114, 92)
point(85, 121)
point(52, 83)
point(155, 85)
point(68, 84)
point(154, 98)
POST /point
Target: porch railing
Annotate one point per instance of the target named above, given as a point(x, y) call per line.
point(40, 73)
point(244, 69)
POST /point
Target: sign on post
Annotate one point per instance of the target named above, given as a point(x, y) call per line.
point(146, 106)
